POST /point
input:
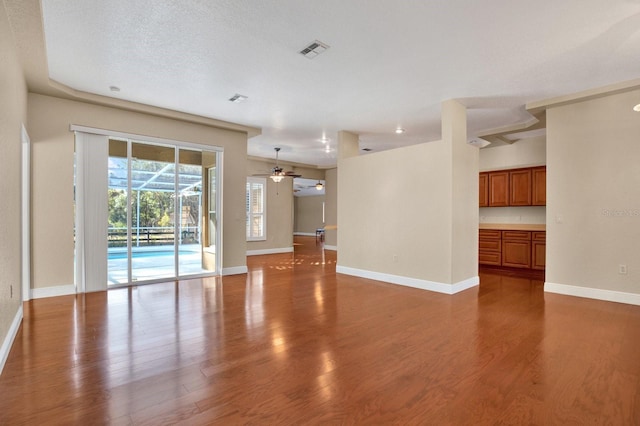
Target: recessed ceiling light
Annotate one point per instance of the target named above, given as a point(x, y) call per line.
point(114, 88)
point(399, 130)
point(237, 98)
point(636, 108)
point(314, 49)
point(324, 139)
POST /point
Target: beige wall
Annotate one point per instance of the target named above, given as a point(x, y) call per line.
point(279, 209)
point(419, 221)
point(13, 113)
point(593, 193)
point(308, 214)
point(463, 160)
point(52, 180)
point(523, 153)
point(331, 208)
point(397, 223)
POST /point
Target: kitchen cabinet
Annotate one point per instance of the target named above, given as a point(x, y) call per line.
point(539, 186)
point(484, 189)
point(516, 249)
point(499, 189)
point(516, 187)
point(520, 187)
point(538, 250)
point(512, 248)
point(490, 250)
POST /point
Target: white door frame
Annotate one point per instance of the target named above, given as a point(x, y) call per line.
point(26, 215)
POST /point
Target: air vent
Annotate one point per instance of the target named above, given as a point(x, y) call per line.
point(238, 98)
point(314, 49)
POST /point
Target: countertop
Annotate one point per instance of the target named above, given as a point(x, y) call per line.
point(513, 226)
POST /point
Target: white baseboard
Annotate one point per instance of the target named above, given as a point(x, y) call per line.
point(270, 251)
point(593, 293)
point(334, 248)
point(10, 337)
point(411, 282)
point(305, 234)
point(235, 270)
point(61, 290)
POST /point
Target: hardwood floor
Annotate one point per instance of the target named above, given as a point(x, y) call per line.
point(293, 343)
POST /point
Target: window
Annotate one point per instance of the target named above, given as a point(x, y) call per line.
point(256, 209)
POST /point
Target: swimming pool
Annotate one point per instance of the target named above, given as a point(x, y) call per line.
point(148, 253)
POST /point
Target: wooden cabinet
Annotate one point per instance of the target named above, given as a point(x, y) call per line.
point(516, 249)
point(499, 189)
point(539, 186)
point(513, 249)
point(538, 250)
point(484, 190)
point(490, 247)
point(520, 187)
point(517, 187)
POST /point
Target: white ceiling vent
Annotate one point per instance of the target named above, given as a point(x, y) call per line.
point(314, 49)
point(238, 98)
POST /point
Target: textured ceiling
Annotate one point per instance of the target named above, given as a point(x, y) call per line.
point(390, 63)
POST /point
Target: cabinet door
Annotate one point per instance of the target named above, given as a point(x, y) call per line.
point(484, 189)
point(499, 189)
point(516, 254)
point(538, 249)
point(539, 177)
point(520, 187)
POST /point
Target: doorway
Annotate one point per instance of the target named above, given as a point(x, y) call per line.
point(146, 210)
point(161, 212)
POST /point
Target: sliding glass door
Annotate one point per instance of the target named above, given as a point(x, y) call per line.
point(160, 218)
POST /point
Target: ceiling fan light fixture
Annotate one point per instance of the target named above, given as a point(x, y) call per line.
point(319, 186)
point(276, 178)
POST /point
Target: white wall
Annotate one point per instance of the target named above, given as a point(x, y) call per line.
point(13, 113)
point(593, 194)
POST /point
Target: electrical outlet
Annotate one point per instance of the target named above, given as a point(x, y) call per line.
point(622, 269)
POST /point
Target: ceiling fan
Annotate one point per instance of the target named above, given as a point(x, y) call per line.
point(278, 173)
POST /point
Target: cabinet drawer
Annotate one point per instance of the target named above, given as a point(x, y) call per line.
point(489, 234)
point(539, 236)
point(516, 235)
point(490, 258)
point(490, 245)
